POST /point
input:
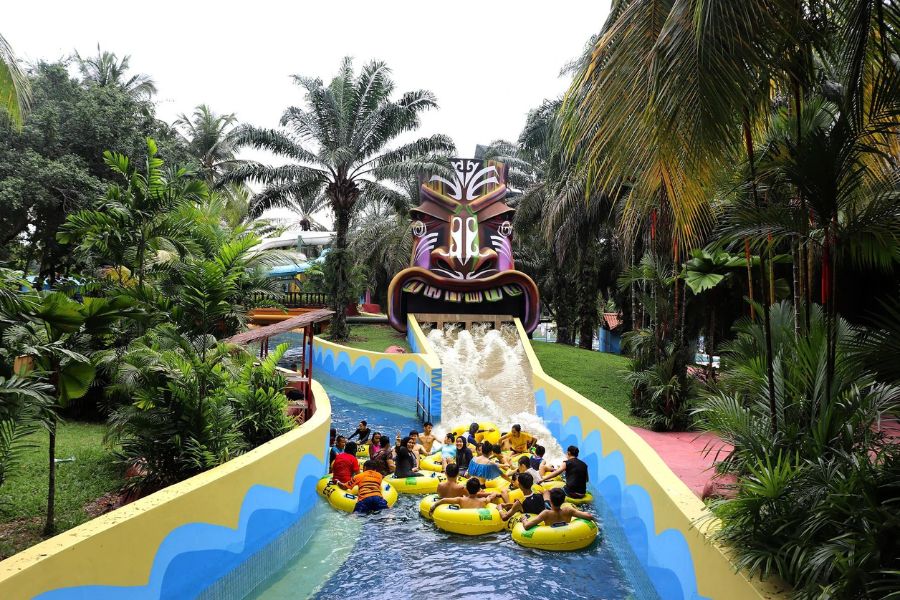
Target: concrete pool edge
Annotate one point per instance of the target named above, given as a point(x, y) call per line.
point(667, 526)
point(180, 540)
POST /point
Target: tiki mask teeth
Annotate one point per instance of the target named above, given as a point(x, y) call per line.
point(488, 295)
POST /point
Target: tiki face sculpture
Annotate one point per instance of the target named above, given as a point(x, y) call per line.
point(462, 250)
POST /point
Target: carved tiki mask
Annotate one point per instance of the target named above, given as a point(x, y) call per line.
point(462, 250)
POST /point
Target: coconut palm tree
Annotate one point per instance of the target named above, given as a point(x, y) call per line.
point(210, 138)
point(105, 69)
point(15, 92)
point(338, 147)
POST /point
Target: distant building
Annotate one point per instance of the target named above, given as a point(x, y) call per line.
point(610, 333)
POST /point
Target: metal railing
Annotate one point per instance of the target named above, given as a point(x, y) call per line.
point(423, 400)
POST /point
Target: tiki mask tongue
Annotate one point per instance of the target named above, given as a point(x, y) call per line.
point(462, 250)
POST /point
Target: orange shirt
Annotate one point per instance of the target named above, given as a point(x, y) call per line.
point(369, 483)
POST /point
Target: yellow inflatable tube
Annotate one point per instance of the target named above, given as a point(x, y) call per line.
point(426, 484)
point(432, 463)
point(562, 537)
point(468, 521)
point(491, 434)
point(588, 497)
point(426, 503)
point(345, 500)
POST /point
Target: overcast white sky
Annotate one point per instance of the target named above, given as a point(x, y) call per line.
point(487, 62)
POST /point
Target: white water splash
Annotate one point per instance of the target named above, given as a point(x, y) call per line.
point(486, 377)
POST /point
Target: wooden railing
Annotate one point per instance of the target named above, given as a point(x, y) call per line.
point(303, 299)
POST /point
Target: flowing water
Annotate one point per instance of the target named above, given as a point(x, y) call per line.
point(486, 377)
point(397, 553)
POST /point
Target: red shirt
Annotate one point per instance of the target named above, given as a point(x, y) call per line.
point(344, 467)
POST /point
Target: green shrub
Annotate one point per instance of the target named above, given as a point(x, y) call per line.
point(818, 499)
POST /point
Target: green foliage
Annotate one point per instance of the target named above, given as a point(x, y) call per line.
point(259, 402)
point(54, 165)
point(136, 222)
point(25, 403)
point(661, 390)
point(15, 91)
point(828, 525)
point(191, 403)
point(337, 146)
point(817, 500)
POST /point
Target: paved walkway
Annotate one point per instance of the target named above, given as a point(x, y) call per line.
point(686, 454)
point(691, 454)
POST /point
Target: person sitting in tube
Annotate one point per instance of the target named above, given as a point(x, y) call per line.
point(463, 455)
point(345, 466)
point(375, 444)
point(498, 457)
point(405, 461)
point(427, 439)
point(418, 449)
point(448, 452)
point(557, 512)
point(576, 475)
point(369, 497)
point(384, 456)
point(533, 502)
point(537, 460)
point(483, 468)
point(517, 441)
point(472, 499)
point(340, 442)
point(474, 430)
point(523, 466)
point(452, 488)
point(362, 431)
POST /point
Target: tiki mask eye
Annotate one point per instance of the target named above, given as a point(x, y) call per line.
point(505, 229)
point(419, 229)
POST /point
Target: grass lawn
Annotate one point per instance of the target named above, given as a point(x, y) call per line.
point(375, 337)
point(595, 375)
point(23, 497)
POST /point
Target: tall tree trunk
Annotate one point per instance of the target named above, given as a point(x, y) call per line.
point(565, 323)
point(828, 299)
point(50, 523)
point(748, 256)
point(795, 271)
point(711, 343)
point(340, 288)
point(767, 320)
point(632, 288)
point(587, 297)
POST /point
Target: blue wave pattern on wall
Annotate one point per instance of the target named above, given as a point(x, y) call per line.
point(385, 375)
point(193, 556)
point(666, 557)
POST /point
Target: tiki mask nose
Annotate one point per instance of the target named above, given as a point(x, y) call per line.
point(447, 264)
point(482, 264)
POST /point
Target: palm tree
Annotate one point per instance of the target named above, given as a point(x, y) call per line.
point(338, 148)
point(210, 138)
point(381, 238)
point(138, 219)
point(15, 91)
point(105, 69)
